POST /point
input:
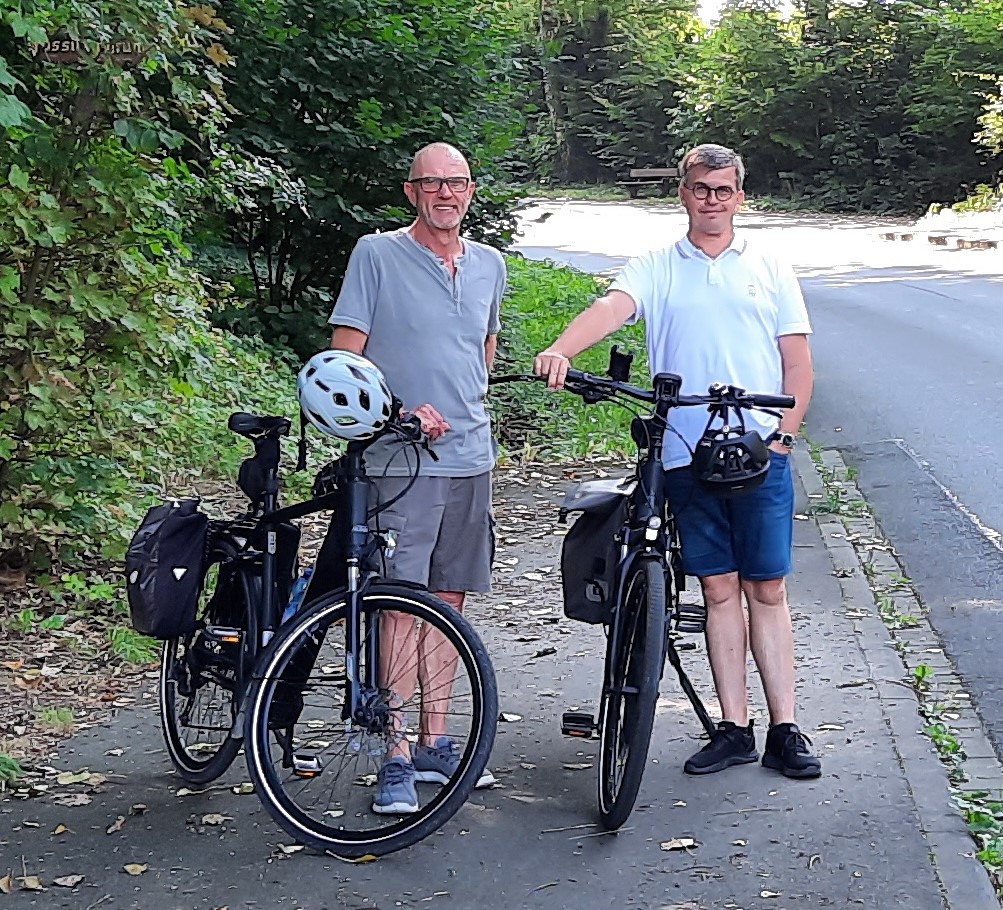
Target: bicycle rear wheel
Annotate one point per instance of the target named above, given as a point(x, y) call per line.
point(634, 659)
point(200, 674)
point(315, 770)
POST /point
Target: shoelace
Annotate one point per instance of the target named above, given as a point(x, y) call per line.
point(801, 742)
point(394, 773)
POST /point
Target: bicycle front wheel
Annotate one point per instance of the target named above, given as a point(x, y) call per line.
point(315, 768)
point(200, 674)
point(634, 658)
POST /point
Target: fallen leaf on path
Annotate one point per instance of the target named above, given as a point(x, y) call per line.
point(68, 881)
point(6, 884)
point(544, 652)
point(138, 809)
point(214, 818)
point(765, 893)
point(740, 843)
point(60, 829)
point(30, 883)
point(578, 765)
point(72, 777)
point(368, 858)
point(678, 843)
point(244, 788)
point(290, 848)
point(136, 868)
point(116, 825)
point(72, 799)
point(509, 718)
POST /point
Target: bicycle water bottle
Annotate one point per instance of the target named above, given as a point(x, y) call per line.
point(296, 595)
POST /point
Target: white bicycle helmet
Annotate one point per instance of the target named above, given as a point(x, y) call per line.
point(342, 394)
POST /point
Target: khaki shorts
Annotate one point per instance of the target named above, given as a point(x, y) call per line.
point(444, 531)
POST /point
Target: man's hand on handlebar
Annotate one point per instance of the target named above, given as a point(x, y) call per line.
point(433, 424)
point(552, 366)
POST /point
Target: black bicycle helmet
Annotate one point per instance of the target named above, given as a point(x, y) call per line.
point(730, 462)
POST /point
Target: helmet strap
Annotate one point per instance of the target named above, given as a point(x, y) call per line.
point(301, 445)
point(720, 412)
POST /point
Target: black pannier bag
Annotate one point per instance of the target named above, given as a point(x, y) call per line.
point(163, 569)
point(591, 550)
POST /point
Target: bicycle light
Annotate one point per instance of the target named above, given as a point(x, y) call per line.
point(654, 526)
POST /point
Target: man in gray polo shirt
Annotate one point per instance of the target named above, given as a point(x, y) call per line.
point(423, 304)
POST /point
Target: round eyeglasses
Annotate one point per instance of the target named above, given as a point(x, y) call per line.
point(721, 193)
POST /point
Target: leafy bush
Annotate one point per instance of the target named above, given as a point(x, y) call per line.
point(111, 381)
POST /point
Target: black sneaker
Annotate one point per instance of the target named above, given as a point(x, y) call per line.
point(787, 752)
point(730, 745)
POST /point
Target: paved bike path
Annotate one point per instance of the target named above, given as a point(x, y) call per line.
point(876, 830)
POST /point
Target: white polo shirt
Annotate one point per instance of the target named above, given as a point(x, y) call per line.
point(714, 320)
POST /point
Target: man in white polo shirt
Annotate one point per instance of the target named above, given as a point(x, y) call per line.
point(718, 308)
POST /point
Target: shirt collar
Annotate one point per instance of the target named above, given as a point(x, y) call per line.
point(688, 250)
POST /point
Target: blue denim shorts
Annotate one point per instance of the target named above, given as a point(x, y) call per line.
point(751, 534)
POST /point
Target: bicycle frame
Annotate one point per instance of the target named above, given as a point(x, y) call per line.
point(350, 502)
point(648, 533)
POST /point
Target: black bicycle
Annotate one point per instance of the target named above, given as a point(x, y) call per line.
point(319, 699)
point(632, 577)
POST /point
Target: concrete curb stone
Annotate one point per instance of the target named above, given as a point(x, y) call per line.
point(965, 882)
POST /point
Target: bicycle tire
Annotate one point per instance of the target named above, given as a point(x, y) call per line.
point(198, 707)
point(330, 811)
point(632, 671)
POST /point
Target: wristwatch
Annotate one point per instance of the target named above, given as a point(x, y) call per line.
point(787, 440)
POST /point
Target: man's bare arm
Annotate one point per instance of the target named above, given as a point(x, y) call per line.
point(345, 338)
point(490, 348)
point(799, 378)
point(602, 318)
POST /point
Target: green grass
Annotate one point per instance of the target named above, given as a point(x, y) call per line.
point(58, 719)
point(10, 770)
point(132, 647)
point(543, 298)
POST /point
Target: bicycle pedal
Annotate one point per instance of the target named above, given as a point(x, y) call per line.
point(306, 766)
point(223, 635)
point(578, 723)
point(691, 617)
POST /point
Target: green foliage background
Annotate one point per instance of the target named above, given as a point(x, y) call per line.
point(174, 224)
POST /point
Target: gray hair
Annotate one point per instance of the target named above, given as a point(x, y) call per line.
point(713, 157)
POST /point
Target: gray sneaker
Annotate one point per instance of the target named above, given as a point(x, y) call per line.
point(437, 764)
point(395, 792)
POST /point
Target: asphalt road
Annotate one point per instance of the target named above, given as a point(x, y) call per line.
point(907, 350)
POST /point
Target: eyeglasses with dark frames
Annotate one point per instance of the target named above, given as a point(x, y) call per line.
point(721, 193)
point(434, 184)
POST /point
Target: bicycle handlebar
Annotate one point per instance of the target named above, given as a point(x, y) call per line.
point(598, 388)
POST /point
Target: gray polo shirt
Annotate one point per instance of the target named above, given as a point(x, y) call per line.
point(426, 331)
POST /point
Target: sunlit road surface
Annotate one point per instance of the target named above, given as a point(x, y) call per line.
point(587, 234)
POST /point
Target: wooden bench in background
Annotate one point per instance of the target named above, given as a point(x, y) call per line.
point(662, 177)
